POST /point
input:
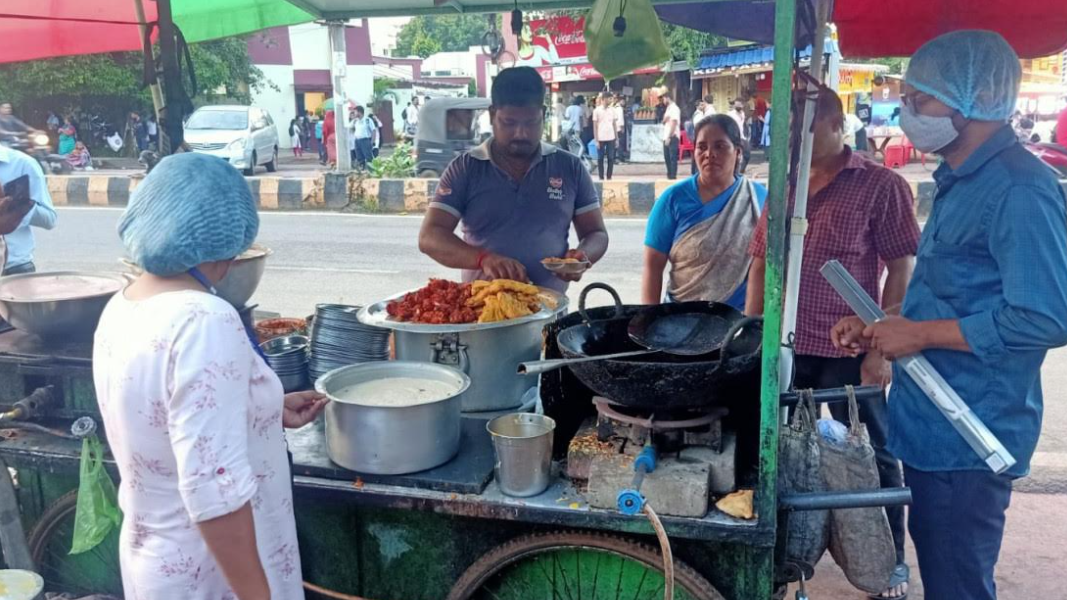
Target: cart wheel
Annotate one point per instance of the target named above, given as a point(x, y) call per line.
point(566, 565)
point(93, 572)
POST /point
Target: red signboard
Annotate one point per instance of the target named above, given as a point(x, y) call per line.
point(555, 41)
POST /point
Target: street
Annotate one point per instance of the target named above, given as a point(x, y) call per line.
point(356, 259)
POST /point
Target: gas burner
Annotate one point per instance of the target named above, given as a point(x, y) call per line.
point(669, 432)
point(617, 413)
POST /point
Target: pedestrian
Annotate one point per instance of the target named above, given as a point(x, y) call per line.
point(53, 121)
point(766, 140)
point(19, 215)
point(587, 124)
point(79, 159)
point(376, 148)
point(138, 131)
point(620, 122)
point(153, 129)
point(863, 113)
point(703, 110)
point(606, 130)
point(329, 136)
point(759, 117)
point(671, 123)
point(572, 127)
point(305, 132)
point(68, 136)
point(294, 138)
point(363, 133)
point(985, 305)
point(738, 114)
point(411, 119)
point(861, 214)
point(319, 140)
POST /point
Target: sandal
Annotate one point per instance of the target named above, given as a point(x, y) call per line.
point(901, 575)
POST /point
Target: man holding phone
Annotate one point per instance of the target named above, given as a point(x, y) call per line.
point(24, 203)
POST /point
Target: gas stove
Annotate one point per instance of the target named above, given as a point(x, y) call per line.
point(695, 457)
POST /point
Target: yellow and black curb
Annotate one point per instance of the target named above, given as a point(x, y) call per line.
point(332, 192)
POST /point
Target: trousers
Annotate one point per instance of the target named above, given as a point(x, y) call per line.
point(670, 156)
point(605, 150)
point(957, 524)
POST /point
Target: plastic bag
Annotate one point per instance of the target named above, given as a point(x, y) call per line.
point(641, 44)
point(860, 539)
point(97, 511)
point(799, 471)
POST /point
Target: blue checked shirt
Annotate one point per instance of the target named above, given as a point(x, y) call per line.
point(994, 256)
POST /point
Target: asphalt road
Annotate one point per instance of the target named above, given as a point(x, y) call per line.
point(355, 259)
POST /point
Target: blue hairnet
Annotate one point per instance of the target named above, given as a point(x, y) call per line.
point(975, 72)
point(191, 209)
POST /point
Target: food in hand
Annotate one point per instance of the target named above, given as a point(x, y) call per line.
point(560, 261)
point(446, 302)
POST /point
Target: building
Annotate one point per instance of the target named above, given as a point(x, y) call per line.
point(296, 65)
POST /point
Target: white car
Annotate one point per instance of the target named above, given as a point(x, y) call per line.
point(243, 135)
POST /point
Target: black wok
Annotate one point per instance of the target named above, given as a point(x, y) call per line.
point(662, 381)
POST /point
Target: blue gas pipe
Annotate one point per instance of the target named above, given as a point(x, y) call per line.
point(630, 501)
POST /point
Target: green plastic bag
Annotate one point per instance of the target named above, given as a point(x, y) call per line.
point(641, 44)
point(98, 511)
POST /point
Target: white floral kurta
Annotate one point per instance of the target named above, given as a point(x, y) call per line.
point(193, 418)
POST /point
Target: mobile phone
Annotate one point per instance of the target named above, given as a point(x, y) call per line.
point(18, 189)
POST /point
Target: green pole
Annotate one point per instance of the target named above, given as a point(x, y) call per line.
point(781, 101)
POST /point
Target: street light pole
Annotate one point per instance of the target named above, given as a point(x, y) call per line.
point(338, 69)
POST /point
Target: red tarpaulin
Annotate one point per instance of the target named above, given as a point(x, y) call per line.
point(872, 28)
point(29, 39)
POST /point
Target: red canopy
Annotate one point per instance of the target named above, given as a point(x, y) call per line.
point(106, 26)
point(873, 28)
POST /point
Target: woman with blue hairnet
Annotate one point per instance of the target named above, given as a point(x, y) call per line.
point(987, 300)
point(194, 415)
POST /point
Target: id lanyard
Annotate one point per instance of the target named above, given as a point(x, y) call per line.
point(204, 281)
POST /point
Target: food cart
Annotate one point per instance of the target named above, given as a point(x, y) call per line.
point(449, 532)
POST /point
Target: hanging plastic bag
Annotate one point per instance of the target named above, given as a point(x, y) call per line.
point(860, 539)
point(800, 471)
point(640, 45)
point(97, 512)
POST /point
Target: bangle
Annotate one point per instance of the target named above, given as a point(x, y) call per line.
point(482, 255)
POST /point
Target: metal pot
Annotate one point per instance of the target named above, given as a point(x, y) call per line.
point(241, 280)
point(389, 440)
point(58, 304)
point(487, 352)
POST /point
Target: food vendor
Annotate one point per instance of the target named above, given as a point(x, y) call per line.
point(516, 195)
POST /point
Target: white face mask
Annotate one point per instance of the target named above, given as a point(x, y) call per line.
point(927, 134)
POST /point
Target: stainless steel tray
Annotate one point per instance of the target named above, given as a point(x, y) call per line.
point(376, 314)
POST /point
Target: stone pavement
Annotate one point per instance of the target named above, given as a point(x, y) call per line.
point(1031, 564)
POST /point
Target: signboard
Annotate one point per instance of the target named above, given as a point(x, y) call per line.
point(580, 72)
point(555, 41)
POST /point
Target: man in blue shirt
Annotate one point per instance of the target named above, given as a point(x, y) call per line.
point(986, 302)
point(364, 129)
point(516, 195)
point(37, 212)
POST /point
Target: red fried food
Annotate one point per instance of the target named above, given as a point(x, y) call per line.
point(439, 302)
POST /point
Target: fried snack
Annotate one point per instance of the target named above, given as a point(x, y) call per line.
point(500, 285)
point(552, 260)
point(446, 302)
point(737, 504)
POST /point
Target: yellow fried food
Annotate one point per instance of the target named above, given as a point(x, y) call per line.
point(737, 504)
point(479, 294)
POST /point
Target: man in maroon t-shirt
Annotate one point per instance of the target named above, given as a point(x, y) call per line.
point(861, 214)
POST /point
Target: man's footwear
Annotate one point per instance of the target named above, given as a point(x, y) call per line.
point(901, 576)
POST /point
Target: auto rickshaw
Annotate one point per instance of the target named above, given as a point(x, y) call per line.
point(448, 127)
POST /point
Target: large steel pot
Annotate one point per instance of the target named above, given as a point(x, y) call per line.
point(62, 305)
point(385, 440)
point(487, 352)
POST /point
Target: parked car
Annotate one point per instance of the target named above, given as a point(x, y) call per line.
point(244, 135)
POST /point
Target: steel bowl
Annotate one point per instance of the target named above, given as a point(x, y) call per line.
point(284, 345)
point(392, 440)
point(63, 305)
point(244, 276)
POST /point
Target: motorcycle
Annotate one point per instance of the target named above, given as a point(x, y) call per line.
point(37, 145)
point(1053, 155)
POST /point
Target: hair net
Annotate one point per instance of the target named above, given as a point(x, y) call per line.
point(975, 72)
point(191, 209)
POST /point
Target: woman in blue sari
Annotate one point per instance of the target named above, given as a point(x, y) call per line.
point(702, 225)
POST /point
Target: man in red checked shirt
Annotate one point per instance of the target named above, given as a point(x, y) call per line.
point(861, 214)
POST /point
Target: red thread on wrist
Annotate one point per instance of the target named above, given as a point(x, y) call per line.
point(482, 255)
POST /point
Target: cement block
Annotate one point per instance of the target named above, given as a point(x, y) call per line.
point(722, 465)
point(678, 487)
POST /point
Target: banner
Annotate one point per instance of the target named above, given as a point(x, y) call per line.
point(551, 42)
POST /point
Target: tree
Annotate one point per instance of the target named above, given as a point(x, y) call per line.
point(687, 44)
point(110, 84)
point(426, 35)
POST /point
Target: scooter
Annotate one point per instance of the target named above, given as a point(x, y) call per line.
point(1053, 155)
point(37, 145)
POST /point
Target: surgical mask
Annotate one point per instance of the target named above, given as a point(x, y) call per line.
point(928, 134)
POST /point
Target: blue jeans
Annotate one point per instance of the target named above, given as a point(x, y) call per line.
point(957, 524)
point(364, 151)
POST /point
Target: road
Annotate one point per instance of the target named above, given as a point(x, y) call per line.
point(358, 259)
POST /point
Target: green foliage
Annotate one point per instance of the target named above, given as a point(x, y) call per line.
point(897, 66)
point(110, 84)
point(398, 165)
point(383, 90)
point(687, 44)
point(426, 35)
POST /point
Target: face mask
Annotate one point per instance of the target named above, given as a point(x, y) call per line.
point(927, 134)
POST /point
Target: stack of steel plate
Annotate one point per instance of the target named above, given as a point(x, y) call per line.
point(288, 356)
point(338, 339)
